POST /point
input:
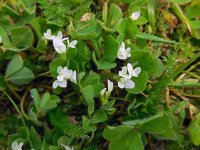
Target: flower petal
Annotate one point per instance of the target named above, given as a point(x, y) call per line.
point(129, 84)
point(120, 84)
point(72, 44)
point(60, 77)
point(73, 77)
point(130, 68)
point(59, 35)
point(55, 84)
point(48, 35)
point(110, 86)
point(20, 146)
point(136, 72)
point(103, 91)
point(59, 45)
point(68, 74)
point(135, 15)
point(63, 83)
point(1, 39)
point(59, 69)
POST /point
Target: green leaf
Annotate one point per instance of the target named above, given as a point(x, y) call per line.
point(192, 11)
point(51, 103)
point(111, 47)
point(36, 97)
point(85, 31)
point(140, 83)
point(22, 37)
point(180, 1)
point(5, 38)
point(99, 116)
point(151, 37)
point(138, 56)
point(115, 14)
point(14, 65)
point(44, 100)
point(23, 76)
point(158, 69)
point(158, 125)
point(151, 14)
point(142, 121)
point(103, 64)
point(35, 139)
point(194, 130)
point(87, 125)
point(88, 94)
point(123, 137)
point(92, 79)
point(97, 89)
point(131, 29)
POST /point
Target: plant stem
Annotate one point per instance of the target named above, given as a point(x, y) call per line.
point(20, 114)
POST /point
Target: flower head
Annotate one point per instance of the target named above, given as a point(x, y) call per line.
point(64, 74)
point(123, 53)
point(16, 146)
point(124, 73)
point(135, 15)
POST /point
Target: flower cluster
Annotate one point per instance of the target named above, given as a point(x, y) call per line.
point(126, 74)
point(58, 41)
point(64, 74)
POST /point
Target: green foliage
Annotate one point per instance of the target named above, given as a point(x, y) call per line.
point(17, 73)
point(123, 138)
point(44, 103)
point(63, 124)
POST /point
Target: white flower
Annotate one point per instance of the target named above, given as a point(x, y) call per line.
point(16, 146)
point(67, 147)
point(124, 73)
point(47, 35)
point(106, 94)
point(72, 44)
point(126, 83)
point(1, 39)
point(133, 72)
point(135, 15)
point(58, 41)
point(73, 77)
point(110, 88)
point(123, 53)
point(64, 74)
